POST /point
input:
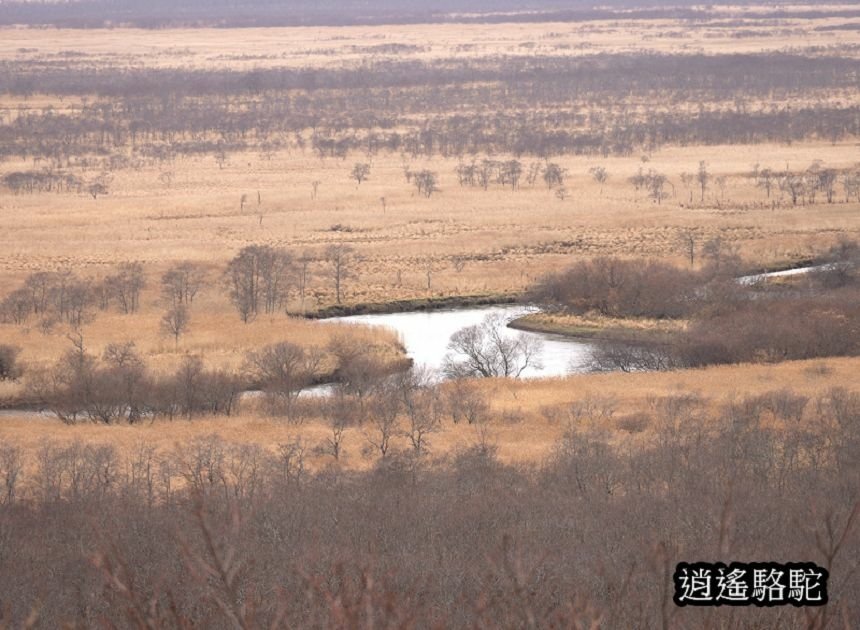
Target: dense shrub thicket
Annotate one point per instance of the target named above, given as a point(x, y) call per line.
point(729, 321)
point(224, 535)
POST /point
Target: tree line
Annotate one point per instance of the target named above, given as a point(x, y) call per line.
point(158, 113)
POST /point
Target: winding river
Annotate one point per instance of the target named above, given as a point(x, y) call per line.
point(425, 336)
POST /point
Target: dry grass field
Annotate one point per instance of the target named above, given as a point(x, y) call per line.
point(528, 417)
point(459, 241)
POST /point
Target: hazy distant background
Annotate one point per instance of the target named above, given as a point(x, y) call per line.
point(161, 13)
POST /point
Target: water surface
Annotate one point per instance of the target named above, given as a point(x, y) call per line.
point(425, 336)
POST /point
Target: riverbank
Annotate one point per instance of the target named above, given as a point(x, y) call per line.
point(597, 327)
point(413, 305)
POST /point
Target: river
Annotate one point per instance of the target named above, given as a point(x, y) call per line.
point(425, 336)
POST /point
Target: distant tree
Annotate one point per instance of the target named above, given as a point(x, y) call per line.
point(467, 174)
point(794, 185)
point(128, 374)
point(340, 258)
point(687, 180)
point(826, 182)
point(656, 183)
point(221, 156)
point(561, 193)
point(181, 283)
point(9, 368)
point(303, 276)
point(553, 175)
point(282, 371)
point(126, 286)
point(638, 180)
point(97, 188)
point(425, 182)
point(258, 277)
point(510, 173)
point(242, 201)
point(599, 174)
point(851, 184)
point(484, 173)
point(421, 405)
point(360, 172)
point(765, 178)
point(428, 271)
point(175, 322)
point(534, 171)
point(722, 182)
point(315, 188)
point(703, 177)
point(384, 420)
point(688, 241)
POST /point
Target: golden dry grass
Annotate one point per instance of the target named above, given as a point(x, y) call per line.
point(522, 430)
point(505, 239)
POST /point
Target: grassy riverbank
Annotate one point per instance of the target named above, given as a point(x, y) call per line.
point(597, 327)
point(415, 304)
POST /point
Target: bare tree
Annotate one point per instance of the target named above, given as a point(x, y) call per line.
point(175, 322)
point(425, 182)
point(384, 420)
point(487, 350)
point(554, 175)
point(722, 181)
point(765, 178)
point(315, 188)
point(303, 276)
point(258, 277)
point(11, 467)
point(422, 408)
point(687, 180)
point(599, 174)
point(703, 177)
point(428, 271)
point(466, 401)
point(655, 183)
point(339, 412)
point(126, 285)
point(181, 283)
point(98, 187)
point(282, 371)
point(360, 172)
point(688, 241)
point(9, 368)
point(341, 258)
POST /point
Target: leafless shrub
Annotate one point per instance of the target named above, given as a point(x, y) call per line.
point(11, 465)
point(10, 370)
point(282, 371)
point(633, 423)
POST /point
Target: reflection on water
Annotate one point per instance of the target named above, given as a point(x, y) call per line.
point(425, 336)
